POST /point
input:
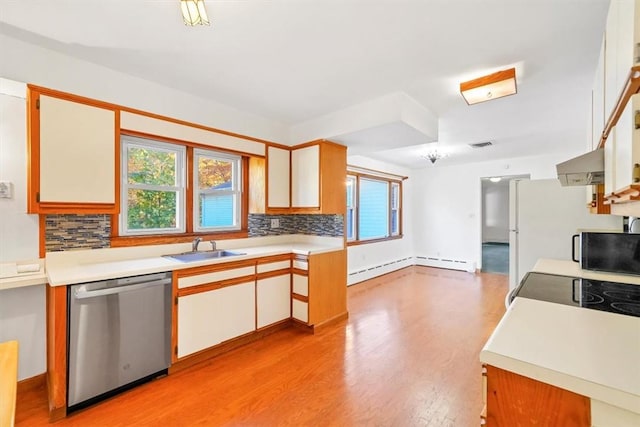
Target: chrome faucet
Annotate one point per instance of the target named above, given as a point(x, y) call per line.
point(195, 243)
point(213, 244)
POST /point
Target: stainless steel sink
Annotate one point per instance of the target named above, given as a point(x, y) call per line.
point(199, 256)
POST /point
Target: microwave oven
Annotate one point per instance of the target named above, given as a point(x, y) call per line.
point(609, 252)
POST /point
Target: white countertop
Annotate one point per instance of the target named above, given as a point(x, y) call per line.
point(10, 277)
point(101, 264)
point(590, 352)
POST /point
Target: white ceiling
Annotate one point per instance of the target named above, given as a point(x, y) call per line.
point(295, 61)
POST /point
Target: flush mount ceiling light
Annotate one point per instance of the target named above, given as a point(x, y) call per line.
point(493, 86)
point(495, 179)
point(194, 12)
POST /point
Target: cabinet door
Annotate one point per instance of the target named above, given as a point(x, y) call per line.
point(77, 149)
point(515, 400)
point(305, 177)
point(209, 318)
point(627, 145)
point(278, 162)
point(237, 308)
point(273, 299)
point(597, 108)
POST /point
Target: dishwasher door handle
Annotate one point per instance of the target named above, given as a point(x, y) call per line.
point(80, 294)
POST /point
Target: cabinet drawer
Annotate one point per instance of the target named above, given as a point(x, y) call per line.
point(217, 276)
point(301, 285)
point(301, 265)
point(300, 310)
point(273, 266)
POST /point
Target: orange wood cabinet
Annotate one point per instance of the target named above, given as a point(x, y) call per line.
point(318, 178)
point(73, 154)
point(306, 179)
point(513, 400)
point(319, 288)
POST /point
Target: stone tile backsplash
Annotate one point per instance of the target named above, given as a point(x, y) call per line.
point(318, 225)
point(69, 232)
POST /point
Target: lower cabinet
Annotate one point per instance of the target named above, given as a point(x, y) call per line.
point(273, 299)
point(209, 318)
point(513, 400)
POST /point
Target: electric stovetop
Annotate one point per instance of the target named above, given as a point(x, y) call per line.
point(620, 298)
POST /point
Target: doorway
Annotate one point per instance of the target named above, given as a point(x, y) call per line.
point(495, 223)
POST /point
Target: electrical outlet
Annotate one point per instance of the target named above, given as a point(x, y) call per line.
point(6, 190)
point(275, 223)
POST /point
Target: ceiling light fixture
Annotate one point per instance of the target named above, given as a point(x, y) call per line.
point(493, 86)
point(194, 12)
point(495, 179)
point(434, 155)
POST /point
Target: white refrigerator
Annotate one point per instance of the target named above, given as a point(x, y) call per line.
point(543, 216)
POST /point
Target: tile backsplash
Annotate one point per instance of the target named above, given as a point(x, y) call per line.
point(318, 225)
point(69, 232)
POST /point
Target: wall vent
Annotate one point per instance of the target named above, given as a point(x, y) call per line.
point(481, 144)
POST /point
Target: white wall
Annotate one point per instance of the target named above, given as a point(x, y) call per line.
point(447, 204)
point(362, 257)
point(29, 63)
point(22, 310)
point(495, 211)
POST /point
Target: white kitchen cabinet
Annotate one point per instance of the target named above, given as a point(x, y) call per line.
point(300, 310)
point(273, 299)
point(301, 285)
point(305, 177)
point(209, 318)
point(73, 149)
point(622, 50)
point(627, 145)
point(597, 102)
point(278, 171)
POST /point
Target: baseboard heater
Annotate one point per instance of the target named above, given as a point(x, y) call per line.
point(451, 264)
point(378, 270)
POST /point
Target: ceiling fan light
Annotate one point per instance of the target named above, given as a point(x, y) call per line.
point(194, 12)
point(493, 86)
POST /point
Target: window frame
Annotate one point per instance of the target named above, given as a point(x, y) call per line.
point(118, 239)
point(180, 187)
point(352, 181)
point(236, 189)
point(392, 183)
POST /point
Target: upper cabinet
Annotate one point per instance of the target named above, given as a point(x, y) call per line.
point(318, 177)
point(309, 178)
point(278, 171)
point(305, 177)
point(72, 155)
point(619, 70)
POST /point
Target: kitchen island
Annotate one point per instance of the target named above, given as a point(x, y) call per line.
point(585, 353)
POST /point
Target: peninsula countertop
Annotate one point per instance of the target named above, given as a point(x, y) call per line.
point(589, 352)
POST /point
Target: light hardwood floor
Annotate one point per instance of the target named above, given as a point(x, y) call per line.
point(407, 356)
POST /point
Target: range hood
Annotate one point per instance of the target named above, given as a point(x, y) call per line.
point(587, 169)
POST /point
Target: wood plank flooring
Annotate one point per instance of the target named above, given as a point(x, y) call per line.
point(407, 356)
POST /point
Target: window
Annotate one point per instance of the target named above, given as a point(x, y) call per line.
point(153, 188)
point(374, 208)
point(155, 195)
point(217, 193)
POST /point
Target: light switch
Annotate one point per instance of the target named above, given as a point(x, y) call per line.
point(6, 190)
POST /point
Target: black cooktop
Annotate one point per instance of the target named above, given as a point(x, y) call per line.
point(620, 298)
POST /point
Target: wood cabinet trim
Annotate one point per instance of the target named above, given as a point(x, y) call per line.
point(274, 258)
point(299, 297)
point(206, 287)
point(195, 271)
point(57, 350)
point(274, 273)
point(630, 88)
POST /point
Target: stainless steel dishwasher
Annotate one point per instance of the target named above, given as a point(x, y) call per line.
point(119, 334)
